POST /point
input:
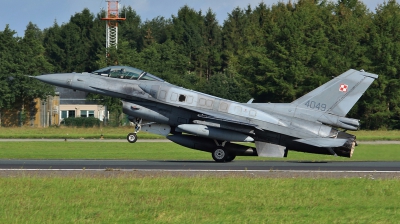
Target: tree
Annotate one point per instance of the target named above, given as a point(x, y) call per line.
point(129, 30)
point(212, 48)
point(275, 54)
point(187, 32)
point(8, 51)
point(8, 66)
point(381, 105)
point(154, 31)
point(31, 60)
point(74, 46)
point(226, 85)
point(52, 43)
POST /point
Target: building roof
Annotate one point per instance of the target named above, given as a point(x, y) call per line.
point(69, 96)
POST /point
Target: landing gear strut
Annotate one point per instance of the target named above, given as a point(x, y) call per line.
point(132, 137)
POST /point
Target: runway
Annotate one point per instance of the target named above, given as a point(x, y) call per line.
point(172, 165)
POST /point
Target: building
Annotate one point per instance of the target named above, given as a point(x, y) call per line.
point(74, 104)
point(52, 110)
point(38, 113)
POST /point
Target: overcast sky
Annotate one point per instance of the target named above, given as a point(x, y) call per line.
point(18, 13)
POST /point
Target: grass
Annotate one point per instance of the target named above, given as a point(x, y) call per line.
point(129, 198)
point(62, 132)
point(121, 132)
point(199, 199)
point(165, 151)
point(380, 135)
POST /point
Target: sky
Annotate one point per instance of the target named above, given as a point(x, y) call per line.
point(43, 13)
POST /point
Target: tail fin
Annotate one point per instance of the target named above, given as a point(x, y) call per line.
point(339, 95)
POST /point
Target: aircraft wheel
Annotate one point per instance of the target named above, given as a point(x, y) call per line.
point(219, 155)
point(230, 157)
point(132, 138)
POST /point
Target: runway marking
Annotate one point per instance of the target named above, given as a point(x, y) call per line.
point(151, 170)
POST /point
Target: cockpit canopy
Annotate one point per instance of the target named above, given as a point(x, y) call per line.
point(125, 72)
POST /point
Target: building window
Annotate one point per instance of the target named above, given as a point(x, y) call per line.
point(87, 113)
point(71, 113)
point(83, 113)
point(64, 114)
point(67, 113)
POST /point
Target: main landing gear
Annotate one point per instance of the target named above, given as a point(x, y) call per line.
point(132, 137)
point(220, 154)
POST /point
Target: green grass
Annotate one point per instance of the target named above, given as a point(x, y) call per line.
point(377, 135)
point(121, 132)
point(130, 198)
point(72, 133)
point(200, 199)
point(165, 151)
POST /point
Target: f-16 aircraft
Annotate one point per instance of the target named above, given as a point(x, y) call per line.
point(203, 122)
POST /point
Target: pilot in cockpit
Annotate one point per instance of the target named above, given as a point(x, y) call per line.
point(122, 72)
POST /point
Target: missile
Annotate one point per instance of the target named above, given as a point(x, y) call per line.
point(214, 133)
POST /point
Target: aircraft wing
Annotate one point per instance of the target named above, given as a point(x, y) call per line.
point(211, 115)
point(323, 142)
point(217, 118)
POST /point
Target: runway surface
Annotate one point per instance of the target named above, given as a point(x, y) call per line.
point(201, 165)
point(195, 165)
point(152, 140)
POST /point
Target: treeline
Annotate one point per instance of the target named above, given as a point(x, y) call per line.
point(271, 53)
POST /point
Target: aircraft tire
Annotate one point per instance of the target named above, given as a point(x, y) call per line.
point(219, 155)
point(230, 157)
point(131, 137)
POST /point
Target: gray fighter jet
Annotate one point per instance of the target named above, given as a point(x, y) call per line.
point(211, 124)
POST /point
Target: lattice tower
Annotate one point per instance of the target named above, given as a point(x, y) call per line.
point(112, 23)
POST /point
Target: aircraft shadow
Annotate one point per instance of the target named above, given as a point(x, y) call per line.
point(187, 161)
point(308, 162)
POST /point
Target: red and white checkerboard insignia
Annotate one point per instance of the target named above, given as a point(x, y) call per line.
point(343, 88)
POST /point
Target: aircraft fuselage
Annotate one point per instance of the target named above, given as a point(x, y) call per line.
point(302, 126)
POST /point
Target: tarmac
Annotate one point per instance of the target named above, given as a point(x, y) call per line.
point(142, 168)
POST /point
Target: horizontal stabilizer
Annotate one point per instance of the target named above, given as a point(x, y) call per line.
point(323, 142)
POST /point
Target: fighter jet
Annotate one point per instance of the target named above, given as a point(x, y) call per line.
point(314, 123)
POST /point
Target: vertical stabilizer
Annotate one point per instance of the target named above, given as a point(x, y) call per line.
point(338, 95)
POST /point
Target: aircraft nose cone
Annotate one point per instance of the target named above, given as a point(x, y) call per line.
point(63, 79)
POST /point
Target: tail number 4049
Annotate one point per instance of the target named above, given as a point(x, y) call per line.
point(316, 105)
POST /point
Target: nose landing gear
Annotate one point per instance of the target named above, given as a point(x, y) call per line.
point(132, 137)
